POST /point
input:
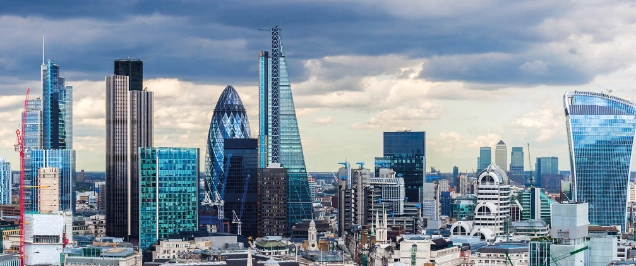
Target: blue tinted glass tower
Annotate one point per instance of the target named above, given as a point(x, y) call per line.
point(405, 153)
point(168, 189)
point(516, 161)
point(485, 158)
point(229, 121)
point(600, 131)
point(279, 136)
point(56, 109)
point(545, 166)
point(5, 182)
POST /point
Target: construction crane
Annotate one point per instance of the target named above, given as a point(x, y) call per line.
point(20, 148)
point(237, 220)
point(566, 255)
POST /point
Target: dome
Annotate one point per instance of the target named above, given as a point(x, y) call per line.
point(493, 174)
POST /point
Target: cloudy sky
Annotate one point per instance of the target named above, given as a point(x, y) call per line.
point(469, 73)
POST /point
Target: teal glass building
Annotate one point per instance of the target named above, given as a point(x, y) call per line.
point(485, 158)
point(279, 136)
point(600, 131)
point(168, 189)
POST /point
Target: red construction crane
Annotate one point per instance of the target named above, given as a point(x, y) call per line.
point(20, 148)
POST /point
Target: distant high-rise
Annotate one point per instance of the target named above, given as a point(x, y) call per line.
point(405, 153)
point(229, 121)
point(501, 155)
point(5, 182)
point(168, 182)
point(600, 131)
point(134, 69)
point(279, 135)
point(516, 161)
point(545, 166)
point(129, 126)
point(485, 158)
point(242, 174)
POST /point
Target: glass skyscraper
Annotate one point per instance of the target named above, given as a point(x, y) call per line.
point(229, 121)
point(5, 182)
point(405, 153)
point(168, 189)
point(600, 131)
point(545, 166)
point(64, 161)
point(57, 109)
point(279, 136)
point(129, 126)
point(242, 178)
point(516, 161)
point(485, 158)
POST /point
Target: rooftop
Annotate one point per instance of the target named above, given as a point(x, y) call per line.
point(509, 247)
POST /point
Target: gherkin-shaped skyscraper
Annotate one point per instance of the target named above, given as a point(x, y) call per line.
point(279, 136)
point(228, 121)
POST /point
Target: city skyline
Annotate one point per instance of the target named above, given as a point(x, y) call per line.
point(348, 92)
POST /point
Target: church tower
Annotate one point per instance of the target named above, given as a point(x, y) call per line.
point(312, 239)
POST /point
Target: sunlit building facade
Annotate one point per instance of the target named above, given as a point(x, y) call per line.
point(229, 121)
point(600, 131)
point(168, 189)
point(279, 135)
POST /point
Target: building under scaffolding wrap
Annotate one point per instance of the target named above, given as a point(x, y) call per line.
point(279, 137)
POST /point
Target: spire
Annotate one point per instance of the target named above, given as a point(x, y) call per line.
point(386, 222)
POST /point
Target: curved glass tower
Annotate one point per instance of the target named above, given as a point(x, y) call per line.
point(279, 136)
point(229, 121)
point(600, 138)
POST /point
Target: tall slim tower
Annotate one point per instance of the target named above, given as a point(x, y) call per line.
point(279, 136)
point(57, 109)
point(501, 156)
point(484, 159)
point(129, 126)
point(600, 131)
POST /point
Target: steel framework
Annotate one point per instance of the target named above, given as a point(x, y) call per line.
point(275, 95)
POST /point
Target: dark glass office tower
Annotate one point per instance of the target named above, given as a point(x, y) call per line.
point(545, 166)
point(129, 126)
point(242, 181)
point(134, 69)
point(405, 153)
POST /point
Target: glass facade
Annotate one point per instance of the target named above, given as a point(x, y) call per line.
point(134, 69)
point(57, 108)
point(5, 182)
point(280, 136)
point(168, 189)
point(242, 180)
point(64, 161)
point(545, 166)
point(516, 161)
point(405, 153)
point(600, 131)
point(485, 158)
point(229, 121)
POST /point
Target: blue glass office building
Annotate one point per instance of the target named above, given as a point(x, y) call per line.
point(405, 153)
point(600, 131)
point(57, 109)
point(64, 161)
point(279, 136)
point(516, 161)
point(545, 166)
point(168, 189)
point(485, 158)
point(229, 121)
point(242, 180)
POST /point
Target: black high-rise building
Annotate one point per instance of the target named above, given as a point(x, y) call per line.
point(405, 153)
point(242, 179)
point(134, 69)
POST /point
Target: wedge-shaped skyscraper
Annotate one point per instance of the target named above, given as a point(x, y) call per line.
point(229, 121)
point(600, 138)
point(279, 137)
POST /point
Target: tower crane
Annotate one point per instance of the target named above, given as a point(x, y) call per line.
point(237, 220)
point(531, 180)
point(20, 148)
